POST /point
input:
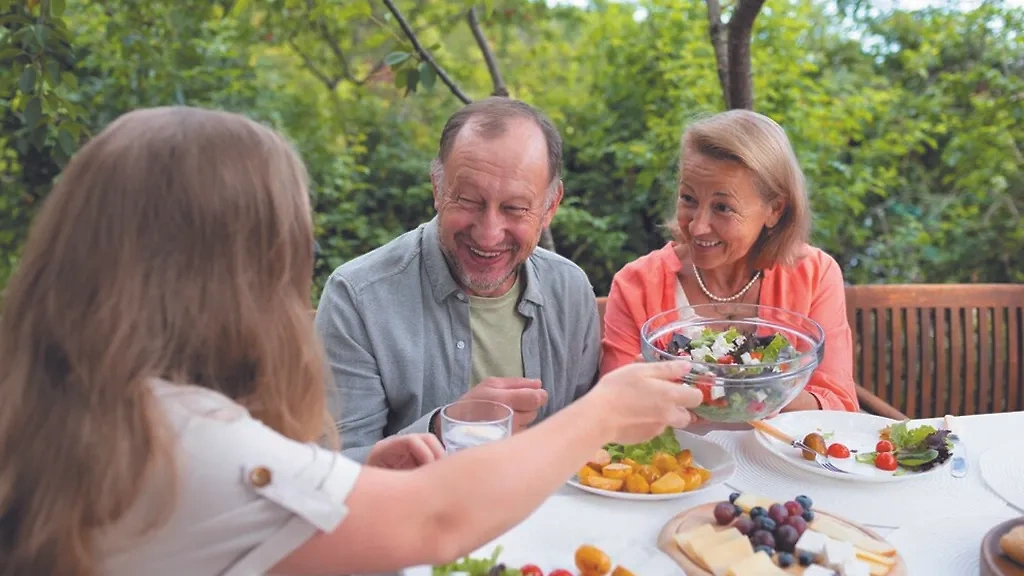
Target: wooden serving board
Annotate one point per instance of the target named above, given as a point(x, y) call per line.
point(993, 562)
point(705, 514)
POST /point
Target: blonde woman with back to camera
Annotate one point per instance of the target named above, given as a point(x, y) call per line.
point(163, 388)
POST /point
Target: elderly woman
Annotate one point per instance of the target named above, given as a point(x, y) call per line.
point(740, 235)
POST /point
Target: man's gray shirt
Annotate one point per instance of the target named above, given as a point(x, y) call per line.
point(395, 326)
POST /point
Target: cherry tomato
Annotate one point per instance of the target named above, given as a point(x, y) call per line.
point(560, 572)
point(755, 407)
point(531, 570)
point(884, 446)
point(837, 450)
point(726, 359)
point(705, 390)
point(885, 461)
point(756, 355)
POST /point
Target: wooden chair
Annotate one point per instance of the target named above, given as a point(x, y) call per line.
point(869, 402)
point(939, 349)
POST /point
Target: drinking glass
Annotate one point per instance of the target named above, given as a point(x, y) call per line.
point(469, 423)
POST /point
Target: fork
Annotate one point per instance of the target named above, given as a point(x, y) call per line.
point(775, 432)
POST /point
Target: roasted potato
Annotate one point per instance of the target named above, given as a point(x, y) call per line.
point(685, 458)
point(636, 484)
point(815, 442)
point(664, 462)
point(632, 463)
point(649, 473)
point(592, 561)
point(670, 483)
point(602, 483)
point(691, 478)
point(616, 470)
point(601, 459)
point(705, 474)
point(585, 472)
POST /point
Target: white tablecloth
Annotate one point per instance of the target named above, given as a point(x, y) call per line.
point(936, 524)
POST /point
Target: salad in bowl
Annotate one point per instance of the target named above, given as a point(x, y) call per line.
point(748, 361)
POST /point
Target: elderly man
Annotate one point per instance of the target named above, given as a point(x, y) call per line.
point(466, 306)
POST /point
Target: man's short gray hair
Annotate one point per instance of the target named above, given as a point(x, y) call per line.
point(490, 119)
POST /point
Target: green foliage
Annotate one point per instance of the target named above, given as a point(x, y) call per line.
point(908, 124)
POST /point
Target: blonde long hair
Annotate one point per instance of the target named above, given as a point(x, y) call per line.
point(177, 245)
point(761, 145)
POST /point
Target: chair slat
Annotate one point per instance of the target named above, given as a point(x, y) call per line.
point(1013, 328)
point(912, 390)
point(986, 361)
point(942, 379)
point(897, 382)
point(999, 368)
point(928, 362)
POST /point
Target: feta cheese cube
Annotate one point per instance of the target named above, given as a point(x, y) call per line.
point(838, 552)
point(818, 570)
point(761, 395)
point(701, 353)
point(739, 340)
point(717, 392)
point(812, 543)
point(855, 568)
point(721, 347)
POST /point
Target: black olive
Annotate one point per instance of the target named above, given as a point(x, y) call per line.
point(679, 343)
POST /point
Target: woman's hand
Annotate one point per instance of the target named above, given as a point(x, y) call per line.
point(405, 451)
point(640, 399)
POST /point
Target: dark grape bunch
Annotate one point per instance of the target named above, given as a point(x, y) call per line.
point(774, 530)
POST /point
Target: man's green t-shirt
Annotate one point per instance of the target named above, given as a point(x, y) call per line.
point(497, 328)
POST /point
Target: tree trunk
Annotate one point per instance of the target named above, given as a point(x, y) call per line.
point(731, 43)
point(741, 83)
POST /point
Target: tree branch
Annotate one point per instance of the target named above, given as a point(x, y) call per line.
point(424, 54)
point(741, 90)
point(717, 32)
point(330, 82)
point(492, 65)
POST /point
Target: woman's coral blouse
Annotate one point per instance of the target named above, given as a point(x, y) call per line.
point(812, 287)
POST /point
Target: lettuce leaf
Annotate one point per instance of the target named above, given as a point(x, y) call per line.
point(772, 350)
point(643, 452)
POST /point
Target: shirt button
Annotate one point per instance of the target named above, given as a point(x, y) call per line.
point(461, 296)
point(260, 476)
point(460, 344)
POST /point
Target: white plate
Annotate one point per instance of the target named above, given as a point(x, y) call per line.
point(706, 454)
point(856, 430)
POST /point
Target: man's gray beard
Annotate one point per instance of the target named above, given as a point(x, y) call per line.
point(463, 279)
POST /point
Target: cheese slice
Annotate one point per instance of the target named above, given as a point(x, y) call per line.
point(876, 568)
point(700, 531)
point(834, 529)
point(760, 564)
point(696, 547)
point(747, 502)
point(719, 558)
point(871, 557)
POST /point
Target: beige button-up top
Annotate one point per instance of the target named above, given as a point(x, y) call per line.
point(246, 496)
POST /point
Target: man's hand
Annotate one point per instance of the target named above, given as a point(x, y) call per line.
point(523, 395)
point(405, 452)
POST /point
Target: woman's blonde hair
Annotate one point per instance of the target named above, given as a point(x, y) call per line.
point(177, 245)
point(760, 144)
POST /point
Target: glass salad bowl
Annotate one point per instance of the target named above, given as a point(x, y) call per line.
point(749, 361)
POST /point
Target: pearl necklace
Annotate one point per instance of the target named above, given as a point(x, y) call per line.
point(739, 294)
